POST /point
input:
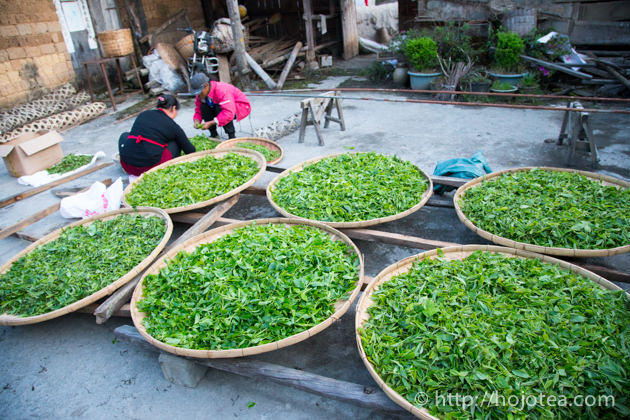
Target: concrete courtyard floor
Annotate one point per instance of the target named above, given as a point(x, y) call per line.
point(70, 367)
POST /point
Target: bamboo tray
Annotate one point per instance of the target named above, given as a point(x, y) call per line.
point(6, 319)
point(563, 252)
point(341, 306)
point(257, 140)
point(450, 253)
point(346, 225)
point(257, 157)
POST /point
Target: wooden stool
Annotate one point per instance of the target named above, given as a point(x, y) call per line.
point(576, 129)
point(319, 107)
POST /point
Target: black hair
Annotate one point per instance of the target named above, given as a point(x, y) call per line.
point(166, 101)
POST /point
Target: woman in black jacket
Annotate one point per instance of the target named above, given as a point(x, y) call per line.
point(154, 138)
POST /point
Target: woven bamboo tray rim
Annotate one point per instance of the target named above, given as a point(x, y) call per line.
point(562, 252)
point(270, 144)
point(116, 42)
point(346, 225)
point(257, 157)
point(7, 319)
point(341, 306)
point(450, 253)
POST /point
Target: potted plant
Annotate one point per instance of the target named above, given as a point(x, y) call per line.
point(478, 81)
point(507, 57)
point(422, 55)
point(529, 84)
point(503, 87)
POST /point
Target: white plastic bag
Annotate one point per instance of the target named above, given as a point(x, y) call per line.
point(158, 70)
point(97, 200)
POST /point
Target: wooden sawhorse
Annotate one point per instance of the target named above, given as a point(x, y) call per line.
point(317, 108)
point(576, 129)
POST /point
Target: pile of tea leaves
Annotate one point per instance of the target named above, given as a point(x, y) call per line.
point(69, 163)
point(351, 187)
point(188, 183)
point(255, 285)
point(516, 328)
point(81, 261)
point(269, 153)
point(551, 208)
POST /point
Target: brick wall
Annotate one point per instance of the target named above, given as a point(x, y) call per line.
point(33, 55)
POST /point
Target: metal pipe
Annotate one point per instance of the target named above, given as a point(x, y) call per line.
point(427, 101)
point(457, 92)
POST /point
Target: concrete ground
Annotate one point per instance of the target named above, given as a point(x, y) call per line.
point(72, 368)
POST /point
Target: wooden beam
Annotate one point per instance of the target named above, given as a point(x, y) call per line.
point(395, 239)
point(448, 180)
point(361, 395)
point(289, 65)
point(122, 295)
point(310, 35)
point(237, 34)
point(28, 193)
point(260, 72)
point(557, 67)
point(349, 29)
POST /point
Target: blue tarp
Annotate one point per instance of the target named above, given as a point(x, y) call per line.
point(470, 168)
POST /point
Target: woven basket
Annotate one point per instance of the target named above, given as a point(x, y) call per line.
point(185, 46)
point(6, 319)
point(346, 225)
point(252, 154)
point(116, 43)
point(450, 253)
point(341, 306)
point(563, 252)
point(269, 144)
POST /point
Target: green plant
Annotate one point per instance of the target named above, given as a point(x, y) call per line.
point(453, 41)
point(268, 153)
point(499, 85)
point(477, 76)
point(508, 50)
point(529, 81)
point(422, 53)
point(378, 71)
point(202, 142)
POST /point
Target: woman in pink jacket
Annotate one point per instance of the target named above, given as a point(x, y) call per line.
point(218, 104)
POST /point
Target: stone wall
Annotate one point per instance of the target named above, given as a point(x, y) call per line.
point(33, 56)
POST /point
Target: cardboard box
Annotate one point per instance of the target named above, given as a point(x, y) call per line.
point(32, 152)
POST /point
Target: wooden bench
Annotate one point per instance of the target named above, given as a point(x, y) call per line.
point(314, 109)
point(576, 129)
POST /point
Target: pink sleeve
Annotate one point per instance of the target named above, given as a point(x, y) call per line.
point(225, 98)
point(197, 115)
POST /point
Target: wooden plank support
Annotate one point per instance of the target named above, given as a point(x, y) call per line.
point(370, 397)
point(395, 239)
point(288, 65)
point(557, 67)
point(28, 193)
point(260, 72)
point(122, 295)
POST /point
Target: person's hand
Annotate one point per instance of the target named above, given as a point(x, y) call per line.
point(208, 124)
point(197, 124)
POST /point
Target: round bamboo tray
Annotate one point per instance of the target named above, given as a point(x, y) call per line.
point(341, 306)
point(185, 46)
point(252, 154)
point(450, 253)
point(563, 252)
point(346, 225)
point(116, 43)
point(269, 144)
point(7, 319)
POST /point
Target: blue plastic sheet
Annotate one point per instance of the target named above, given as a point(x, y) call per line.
point(470, 168)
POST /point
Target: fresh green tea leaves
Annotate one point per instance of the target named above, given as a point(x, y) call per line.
point(510, 326)
point(256, 285)
point(268, 153)
point(552, 209)
point(83, 260)
point(69, 163)
point(202, 142)
point(351, 187)
point(192, 182)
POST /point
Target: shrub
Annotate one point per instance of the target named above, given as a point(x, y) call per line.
point(508, 51)
point(422, 53)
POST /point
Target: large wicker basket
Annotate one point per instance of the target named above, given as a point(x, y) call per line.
point(185, 46)
point(8, 319)
point(341, 306)
point(116, 43)
point(450, 253)
point(271, 145)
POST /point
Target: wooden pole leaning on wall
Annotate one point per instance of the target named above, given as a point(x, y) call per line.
point(288, 65)
point(237, 34)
